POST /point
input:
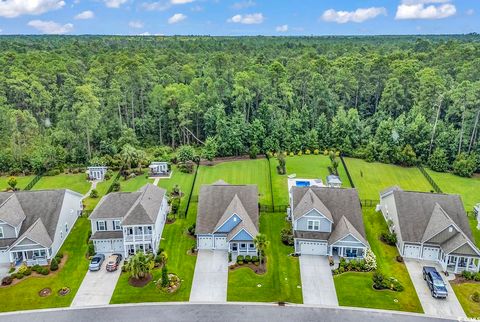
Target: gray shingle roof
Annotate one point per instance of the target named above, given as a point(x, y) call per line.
point(454, 243)
point(214, 200)
point(341, 202)
point(135, 208)
point(309, 202)
point(107, 235)
point(439, 221)
point(415, 210)
point(38, 233)
point(344, 228)
point(11, 211)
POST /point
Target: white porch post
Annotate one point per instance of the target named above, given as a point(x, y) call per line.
point(456, 263)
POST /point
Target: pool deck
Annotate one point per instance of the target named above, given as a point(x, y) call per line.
point(300, 182)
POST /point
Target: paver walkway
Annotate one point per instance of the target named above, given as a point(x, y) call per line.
point(210, 279)
point(317, 281)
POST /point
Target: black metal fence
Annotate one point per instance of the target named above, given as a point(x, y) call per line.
point(369, 202)
point(430, 179)
point(191, 197)
point(347, 172)
point(272, 208)
point(117, 177)
point(34, 181)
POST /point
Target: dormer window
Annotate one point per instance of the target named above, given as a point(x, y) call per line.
point(313, 225)
point(101, 225)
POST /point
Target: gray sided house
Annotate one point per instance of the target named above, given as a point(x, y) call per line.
point(327, 221)
point(431, 227)
point(127, 222)
point(34, 224)
point(227, 218)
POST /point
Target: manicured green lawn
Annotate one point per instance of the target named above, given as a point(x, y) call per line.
point(305, 166)
point(24, 295)
point(184, 182)
point(176, 243)
point(102, 188)
point(464, 292)
point(134, 184)
point(355, 289)
point(371, 178)
point(75, 182)
point(280, 282)
point(22, 182)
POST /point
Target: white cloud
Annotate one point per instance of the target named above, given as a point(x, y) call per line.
point(282, 28)
point(85, 15)
point(176, 18)
point(114, 3)
point(136, 24)
point(243, 4)
point(249, 19)
point(15, 8)
point(146, 33)
point(359, 15)
point(50, 27)
point(425, 9)
point(181, 1)
point(157, 5)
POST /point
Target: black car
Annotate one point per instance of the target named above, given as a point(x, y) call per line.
point(435, 282)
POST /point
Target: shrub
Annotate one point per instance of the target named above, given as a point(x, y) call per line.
point(164, 276)
point(394, 285)
point(7, 280)
point(287, 236)
point(108, 174)
point(316, 151)
point(59, 255)
point(291, 154)
point(36, 267)
point(248, 259)
point(378, 281)
point(53, 265)
point(399, 259)
point(240, 259)
point(476, 297)
point(43, 271)
point(477, 277)
point(116, 186)
point(191, 229)
point(307, 152)
point(252, 153)
point(464, 165)
point(18, 276)
point(22, 269)
point(11, 270)
point(299, 153)
point(53, 172)
point(467, 275)
point(91, 249)
point(229, 257)
point(94, 193)
point(255, 259)
point(28, 272)
point(186, 167)
point(389, 238)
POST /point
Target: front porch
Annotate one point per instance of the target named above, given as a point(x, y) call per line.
point(131, 249)
point(347, 252)
point(458, 263)
point(243, 248)
point(30, 257)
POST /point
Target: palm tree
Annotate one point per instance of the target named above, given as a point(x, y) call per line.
point(140, 265)
point(129, 156)
point(261, 244)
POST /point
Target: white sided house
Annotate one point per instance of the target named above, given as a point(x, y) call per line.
point(431, 227)
point(34, 224)
point(327, 221)
point(127, 222)
point(227, 218)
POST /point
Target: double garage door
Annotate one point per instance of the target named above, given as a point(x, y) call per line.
point(209, 242)
point(413, 251)
point(313, 248)
point(109, 246)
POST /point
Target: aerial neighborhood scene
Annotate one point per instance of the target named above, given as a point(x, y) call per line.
point(231, 160)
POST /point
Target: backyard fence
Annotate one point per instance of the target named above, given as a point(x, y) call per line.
point(347, 172)
point(369, 202)
point(34, 181)
point(271, 208)
point(190, 196)
point(430, 179)
point(117, 177)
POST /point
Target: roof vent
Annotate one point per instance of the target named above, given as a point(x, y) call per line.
point(450, 229)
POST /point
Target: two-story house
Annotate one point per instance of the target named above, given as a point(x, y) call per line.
point(227, 218)
point(34, 224)
point(127, 222)
point(327, 221)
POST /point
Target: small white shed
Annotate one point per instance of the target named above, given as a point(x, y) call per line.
point(159, 168)
point(334, 181)
point(97, 172)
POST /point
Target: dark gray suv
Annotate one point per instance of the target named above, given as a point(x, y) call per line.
point(435, 282)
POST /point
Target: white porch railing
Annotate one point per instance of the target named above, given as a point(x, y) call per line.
point(135, 238)
point(38, 261)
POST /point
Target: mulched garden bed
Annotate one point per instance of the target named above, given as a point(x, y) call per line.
point(140, 282)
point(63, 291)
point(459, 279)
point(170, 221)
point(174, 285)
point(45, 292)
point(229, 159)
point(257, 269)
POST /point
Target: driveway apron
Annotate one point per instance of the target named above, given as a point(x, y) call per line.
point(317, 281)
point(211, 277)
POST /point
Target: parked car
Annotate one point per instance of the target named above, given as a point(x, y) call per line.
point(435, 282)
point(113, 262)
point(96, 262)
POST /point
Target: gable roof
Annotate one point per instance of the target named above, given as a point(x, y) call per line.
point(218, 201)
point(135, 208)
point(340, 202)
point(309, 202)
point(37, 233)
point(416, 209)
point(11, 211)
point(343, 229)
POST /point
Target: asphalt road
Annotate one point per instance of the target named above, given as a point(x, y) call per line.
point(213, 312)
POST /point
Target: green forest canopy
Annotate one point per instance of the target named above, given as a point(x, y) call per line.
point(397, 99)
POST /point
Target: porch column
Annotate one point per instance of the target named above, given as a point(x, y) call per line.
point(456, 263)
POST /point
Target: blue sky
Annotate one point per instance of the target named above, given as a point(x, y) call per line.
point(239, 17)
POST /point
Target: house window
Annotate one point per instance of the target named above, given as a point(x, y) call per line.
point(1, 232)
point(313, 225)
point(39, 253)
point(234, 247)
point(116, 225)
point(252, 246)
point(101, 225)
point(243, 246)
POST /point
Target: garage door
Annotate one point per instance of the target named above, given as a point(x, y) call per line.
point(109, 246)
point(313, 248)
point(221, 243)
point(117, 246)
point(430, 253)
point(411, 251)
point(205, 242)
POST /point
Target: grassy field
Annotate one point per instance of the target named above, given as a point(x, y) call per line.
point(355, 289)
point(75, 182)
point(280, 282)
point(22, 182)
point(24, 295)
point(184, 182)
point(371, 178)
point(134, 184)
point(102, 188)
point(464, 292)
point(305, 166)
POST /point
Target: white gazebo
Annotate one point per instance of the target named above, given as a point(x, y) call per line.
point(97, 172)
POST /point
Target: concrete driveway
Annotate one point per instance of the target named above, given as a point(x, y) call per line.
point(317, 281)
point(4, 269)
point(97, 287)
point(449, 307)
point(211, 277)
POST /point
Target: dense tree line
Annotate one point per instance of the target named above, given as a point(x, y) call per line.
point(73, 100)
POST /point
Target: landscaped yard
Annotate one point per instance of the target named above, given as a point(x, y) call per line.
point(355, 289)
point(464, 292)
point(184, 182)
point(133, 184)
point(280, 282)
point(102, 188)
point(76, 182)
point(24, 295)
point(305, 166)
point(22, 182)
point(372, 177)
